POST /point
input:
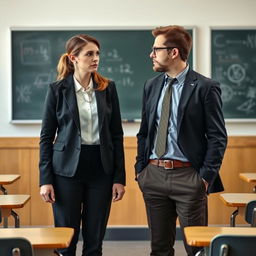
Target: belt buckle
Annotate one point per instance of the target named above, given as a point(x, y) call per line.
point(168, 161)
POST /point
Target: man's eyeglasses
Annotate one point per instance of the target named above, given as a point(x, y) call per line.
point(156, 49)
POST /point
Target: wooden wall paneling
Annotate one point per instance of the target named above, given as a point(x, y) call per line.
point(17, 161)
point(20, 155)
point(41, 212)
point(130, 210)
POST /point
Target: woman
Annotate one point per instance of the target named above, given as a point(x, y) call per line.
point(81, 146)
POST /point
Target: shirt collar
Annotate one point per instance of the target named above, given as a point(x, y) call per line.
point(181, 76)
point(79, 87)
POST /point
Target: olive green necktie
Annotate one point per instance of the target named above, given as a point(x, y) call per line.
point(161, 138)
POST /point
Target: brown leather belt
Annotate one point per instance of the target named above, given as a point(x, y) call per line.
point(169, 164)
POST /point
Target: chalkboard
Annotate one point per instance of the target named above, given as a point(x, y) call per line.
point(35, 54)
point(233, 62)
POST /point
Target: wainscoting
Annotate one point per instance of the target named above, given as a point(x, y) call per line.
point(20, 156)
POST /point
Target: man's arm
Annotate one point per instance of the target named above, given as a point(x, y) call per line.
point(141, 137)
point(215, 133)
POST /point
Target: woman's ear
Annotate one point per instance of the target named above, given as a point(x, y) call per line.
point(72, 58)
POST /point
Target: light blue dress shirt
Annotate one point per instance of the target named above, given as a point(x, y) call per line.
point(173, 151)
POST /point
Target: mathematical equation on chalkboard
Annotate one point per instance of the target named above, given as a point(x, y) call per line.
point(124, 58)
point(38, 52)
point(234, 65)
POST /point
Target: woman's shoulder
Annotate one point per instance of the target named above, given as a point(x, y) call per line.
point(59, 84)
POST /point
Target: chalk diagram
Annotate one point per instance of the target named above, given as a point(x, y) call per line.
point(248, 105)
point(44, 79)
point(236, 73)
point(227, 93)
point(35, 52)
point(23, 93)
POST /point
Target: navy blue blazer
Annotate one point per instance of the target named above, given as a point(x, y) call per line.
point(60, 138)
point(201, 129)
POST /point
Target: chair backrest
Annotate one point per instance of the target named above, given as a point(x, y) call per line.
point(250, 213)
point(233, 245)
point(16, 246)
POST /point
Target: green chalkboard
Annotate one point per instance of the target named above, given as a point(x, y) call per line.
point(35, 54)
point(233, 64)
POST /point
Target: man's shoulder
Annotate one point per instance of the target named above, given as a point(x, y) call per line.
point(154, 79)
point(201, 78)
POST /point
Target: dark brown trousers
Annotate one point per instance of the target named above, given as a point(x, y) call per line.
point(169, 194)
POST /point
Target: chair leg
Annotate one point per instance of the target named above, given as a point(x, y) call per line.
point(57, 253)
point(253, 224)
point(224, 250)
point(16, 218)
point(233, 218)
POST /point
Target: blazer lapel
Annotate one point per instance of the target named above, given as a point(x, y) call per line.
point(189, 86)
point(156, 86)
point(70, 97)
point(101, 104)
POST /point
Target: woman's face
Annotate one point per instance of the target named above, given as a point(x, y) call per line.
point(88, 59)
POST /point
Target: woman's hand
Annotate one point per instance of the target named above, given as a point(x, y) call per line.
point(117, 192)
point(47, 193)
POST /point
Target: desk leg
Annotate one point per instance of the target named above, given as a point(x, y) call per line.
point(254, 189)
point(233, 218)
point(4, 190)
point(16, 218)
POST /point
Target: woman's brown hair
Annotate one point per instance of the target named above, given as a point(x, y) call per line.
point(176, 36)
point(73, 46)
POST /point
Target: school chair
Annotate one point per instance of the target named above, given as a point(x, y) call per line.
point(233, 245)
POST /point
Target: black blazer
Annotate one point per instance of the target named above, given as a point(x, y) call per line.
point(59, 153)
point(200, 126)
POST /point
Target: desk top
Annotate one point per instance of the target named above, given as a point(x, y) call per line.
point(248, 176)
point(41, 237)
point(202, 236)
point(6, 179)
point(237, 199)
point(13, 201)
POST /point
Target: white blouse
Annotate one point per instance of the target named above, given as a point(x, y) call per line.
point(88, 113)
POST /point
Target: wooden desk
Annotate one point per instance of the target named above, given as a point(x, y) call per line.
point(6, 179)
point(202, 236)
point(10, 202)
point(249, 177)
point(43, 240)
point(238, 200)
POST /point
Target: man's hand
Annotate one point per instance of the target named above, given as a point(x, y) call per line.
point(47, 193)
point(206, 184)
point(117, 192)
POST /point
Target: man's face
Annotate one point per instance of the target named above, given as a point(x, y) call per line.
point(161, 55)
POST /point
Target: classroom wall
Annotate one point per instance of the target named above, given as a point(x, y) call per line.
point(19, 143)
point(113, 13)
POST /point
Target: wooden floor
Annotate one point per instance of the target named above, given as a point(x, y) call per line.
point(131, 248)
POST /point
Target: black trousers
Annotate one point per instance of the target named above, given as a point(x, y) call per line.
point(169, 194)
point(86, 199)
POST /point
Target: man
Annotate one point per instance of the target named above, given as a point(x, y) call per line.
point(181, 141)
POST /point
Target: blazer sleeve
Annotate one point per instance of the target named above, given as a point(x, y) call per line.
point(47, 136)
point(215, 133)
point(117, 138)
point(142, 136)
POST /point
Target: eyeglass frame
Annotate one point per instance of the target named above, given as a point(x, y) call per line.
point(155, 49)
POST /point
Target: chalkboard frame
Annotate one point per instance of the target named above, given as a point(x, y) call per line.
point(229, 28)
point(193, 29)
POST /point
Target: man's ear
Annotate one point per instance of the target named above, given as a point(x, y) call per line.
point(174, 53)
